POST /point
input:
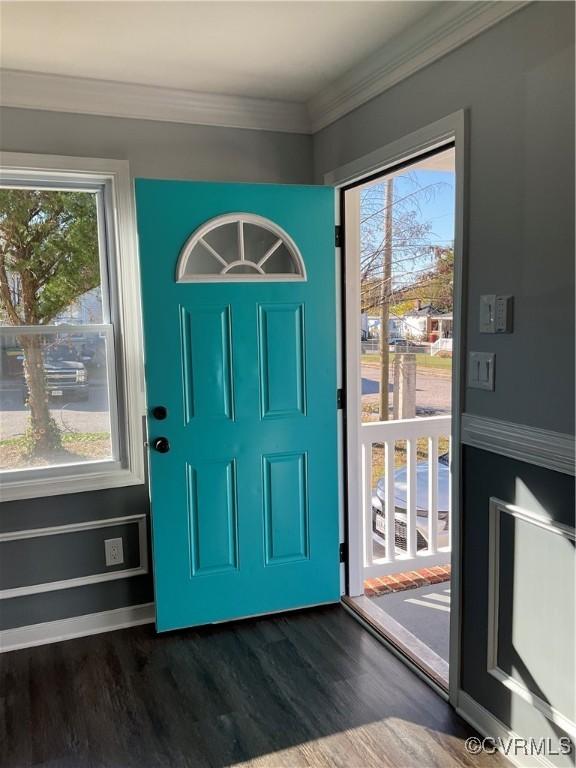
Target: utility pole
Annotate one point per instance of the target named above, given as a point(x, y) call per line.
point(385, 294)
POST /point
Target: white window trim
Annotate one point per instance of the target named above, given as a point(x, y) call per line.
point(115, 174)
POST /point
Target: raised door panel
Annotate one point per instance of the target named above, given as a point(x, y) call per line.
point(206, 352)
point(282, 360)
point(212, 517)
point(286, 523)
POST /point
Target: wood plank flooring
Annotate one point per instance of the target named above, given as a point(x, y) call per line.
point(310, 688)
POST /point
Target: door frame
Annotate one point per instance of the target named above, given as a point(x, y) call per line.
point(451, 129)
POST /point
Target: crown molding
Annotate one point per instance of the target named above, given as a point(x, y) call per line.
point(438, 33)
point(59, 93)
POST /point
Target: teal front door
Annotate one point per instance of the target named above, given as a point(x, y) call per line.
point(238, 291)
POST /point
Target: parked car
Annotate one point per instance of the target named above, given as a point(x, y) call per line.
point(400, 506)
point(64, 378)
point(405, 345)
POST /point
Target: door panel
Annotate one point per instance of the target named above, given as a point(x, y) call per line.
point(282, 363)
point(286, 507)
point(213, 517)
point(206, 362)
point(244, 505)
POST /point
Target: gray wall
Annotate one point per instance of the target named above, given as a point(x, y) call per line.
point(154, 149)
point(162, 150)
point(517, 83)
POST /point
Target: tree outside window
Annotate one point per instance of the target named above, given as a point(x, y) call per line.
point(54, 400)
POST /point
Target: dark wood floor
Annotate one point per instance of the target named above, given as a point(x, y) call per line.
point(303, 689)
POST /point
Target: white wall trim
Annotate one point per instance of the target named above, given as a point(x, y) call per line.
point(542, 447)
point(54, 530)
point(452, 128)
point(114, 175)
point(59, 93)
point(77, 626)
point(496, 509)
point(80, 581)
point(439, 32)
point(490, 727)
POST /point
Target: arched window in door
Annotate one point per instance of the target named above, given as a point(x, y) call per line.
point(239, 247)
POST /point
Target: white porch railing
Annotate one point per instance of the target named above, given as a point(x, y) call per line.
point(386, 433)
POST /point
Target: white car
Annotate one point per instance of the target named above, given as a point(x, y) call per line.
point(400, 505)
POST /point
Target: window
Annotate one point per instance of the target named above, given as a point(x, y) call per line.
point(240, 247)
point(70, 348)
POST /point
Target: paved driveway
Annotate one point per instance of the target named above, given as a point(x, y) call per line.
point(433, 389)
point(89, 416)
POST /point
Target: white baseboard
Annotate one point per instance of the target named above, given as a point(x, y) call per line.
point(77, 626)
point(489, 726)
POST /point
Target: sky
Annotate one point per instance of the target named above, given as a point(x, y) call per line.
point(421, 197)
point(437, 206)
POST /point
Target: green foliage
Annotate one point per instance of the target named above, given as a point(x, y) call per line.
point(48, 259)
point(49, 245)
point(47, 435)
point(432, 288)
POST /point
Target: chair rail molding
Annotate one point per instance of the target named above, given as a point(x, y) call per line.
point(542, 447)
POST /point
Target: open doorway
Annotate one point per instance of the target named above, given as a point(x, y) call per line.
point(400, 246)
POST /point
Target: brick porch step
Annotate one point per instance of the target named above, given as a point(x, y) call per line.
point(397, 582)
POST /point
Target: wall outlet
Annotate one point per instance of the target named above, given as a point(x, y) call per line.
point(114, 551)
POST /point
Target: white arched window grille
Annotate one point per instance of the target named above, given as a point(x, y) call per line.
point(239, 247)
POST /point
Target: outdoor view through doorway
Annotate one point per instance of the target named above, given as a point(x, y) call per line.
point(406, 261)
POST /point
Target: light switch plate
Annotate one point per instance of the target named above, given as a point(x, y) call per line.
point(496, 313)
point(481, 370)
point(487, 313)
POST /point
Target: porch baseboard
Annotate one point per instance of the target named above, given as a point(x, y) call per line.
point(489, 726)
point(76, 626)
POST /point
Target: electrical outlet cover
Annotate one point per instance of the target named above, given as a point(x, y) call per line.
point(114, 551)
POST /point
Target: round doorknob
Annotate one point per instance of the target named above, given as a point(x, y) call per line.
point(161, 444)
point(159, 412)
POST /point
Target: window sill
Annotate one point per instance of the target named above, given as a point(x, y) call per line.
point(76, 480)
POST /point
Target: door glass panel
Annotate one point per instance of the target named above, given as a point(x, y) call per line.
point(239, 246)
point(280, 262)
point(205, 263)
point(243, 269)
point(224, 240)
point(258, 241)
